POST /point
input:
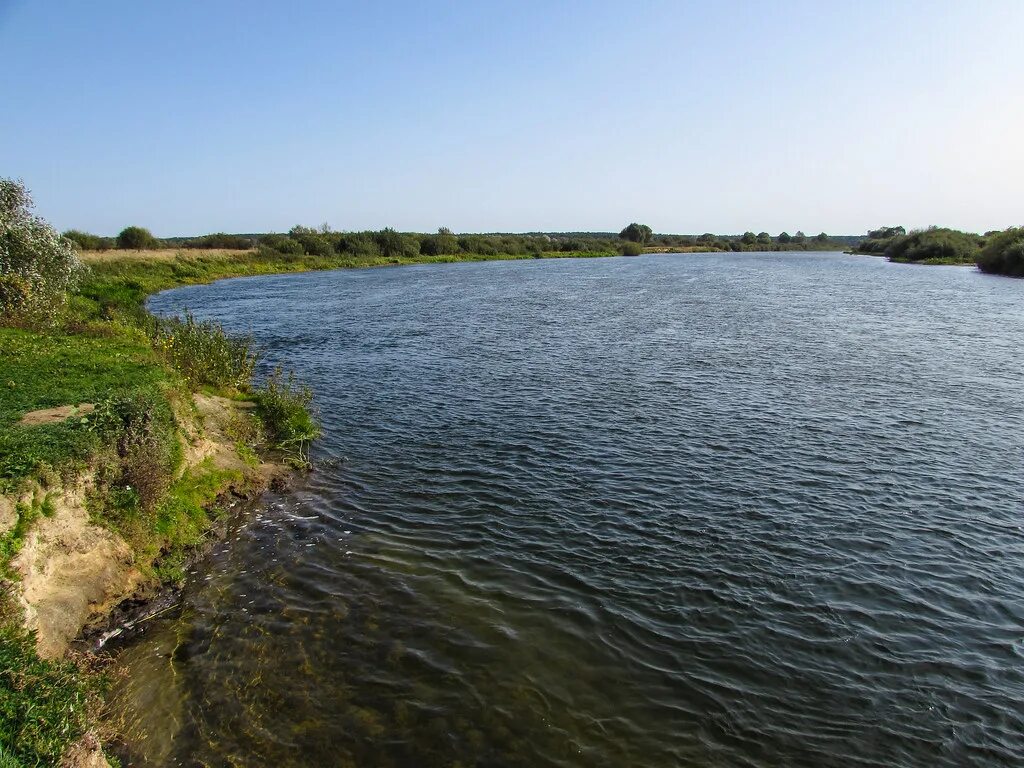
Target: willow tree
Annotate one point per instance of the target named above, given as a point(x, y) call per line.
point(637, 233)
point(38, 266)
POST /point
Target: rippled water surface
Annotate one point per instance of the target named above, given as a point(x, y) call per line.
point(705, 510)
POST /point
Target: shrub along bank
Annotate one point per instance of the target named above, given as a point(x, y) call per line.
point(1003, 253)
point(996, 252)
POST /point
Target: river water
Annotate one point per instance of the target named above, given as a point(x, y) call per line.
point(680, 510)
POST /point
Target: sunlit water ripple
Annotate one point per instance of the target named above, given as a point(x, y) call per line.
point(704, 510)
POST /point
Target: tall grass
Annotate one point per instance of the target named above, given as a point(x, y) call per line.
point(203, 352)
point(284, 407)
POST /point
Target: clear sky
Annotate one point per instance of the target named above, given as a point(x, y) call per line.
point(190, 117)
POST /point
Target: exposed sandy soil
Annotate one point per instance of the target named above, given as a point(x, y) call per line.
point(8, 517)
point(71, 569)
point(87, 753)
point(53, 415)
point(74, 572)
point(217, 414)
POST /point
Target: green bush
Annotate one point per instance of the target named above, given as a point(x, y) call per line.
point(38, 267)
point(284, 407)
point(358, 245)
point(44, 705)
point(203, 352)
point(136, 239)
point(444, 243)
point(89, 242)
point(629, 248)
point(936, 244)
point(394, 244)
point(221, 240)
point(282, 244)
point(140, 427)
point(1003, 253)
point(313, 242)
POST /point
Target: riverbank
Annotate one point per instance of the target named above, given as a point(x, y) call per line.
point(123, 441)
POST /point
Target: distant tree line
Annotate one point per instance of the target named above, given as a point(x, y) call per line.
point(748, 241)
point(390, 244)
point(996, 252)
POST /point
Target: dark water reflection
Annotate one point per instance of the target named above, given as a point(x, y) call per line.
point(696, 510)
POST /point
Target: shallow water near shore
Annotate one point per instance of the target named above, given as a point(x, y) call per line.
point(707, 510)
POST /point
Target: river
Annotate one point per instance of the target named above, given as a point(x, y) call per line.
point(673, 510)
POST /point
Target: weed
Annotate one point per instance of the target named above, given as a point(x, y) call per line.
point(203, 352)
point(284, 407)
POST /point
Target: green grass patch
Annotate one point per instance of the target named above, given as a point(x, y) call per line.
point(44, 370)
point(41, 504)
point(44, 705)
point(283, 406)
point(184, 518)
point(203, 352)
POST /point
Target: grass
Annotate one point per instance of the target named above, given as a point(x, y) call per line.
point(283, 406)
point(121, 280)
point(28, 511)
point(936, 262)
point(182, 521)
point(44, 705)
point(203, 352)
point(42, 370)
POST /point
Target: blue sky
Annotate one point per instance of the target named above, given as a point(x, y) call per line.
point(192, 117)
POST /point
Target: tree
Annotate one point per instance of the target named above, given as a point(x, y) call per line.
point(221, 240)
point(749, 238)
point(135, 239)
point(88, 242)
point(821, 237)
point(637, 233)
point(447, 242)
point(764, 238)
point(706, 239)
point(799, 237)
point(785, 237)
point(884, 233)
point(881, 240)
point(313, 242)
point(38, 267)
